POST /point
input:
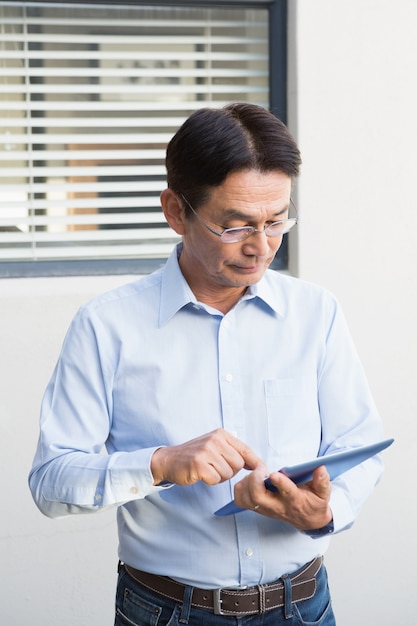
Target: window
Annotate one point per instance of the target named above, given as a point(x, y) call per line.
point(90, 95)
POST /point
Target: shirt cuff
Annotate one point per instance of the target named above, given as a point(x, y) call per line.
point(131, 476)
point(315, 533)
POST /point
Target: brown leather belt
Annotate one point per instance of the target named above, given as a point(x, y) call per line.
point(238, 602)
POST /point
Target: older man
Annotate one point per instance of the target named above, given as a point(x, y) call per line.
point(200, 380)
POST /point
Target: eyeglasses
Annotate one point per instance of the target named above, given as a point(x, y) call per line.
point(233, 235)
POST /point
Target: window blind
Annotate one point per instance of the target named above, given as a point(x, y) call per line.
point(89, 97)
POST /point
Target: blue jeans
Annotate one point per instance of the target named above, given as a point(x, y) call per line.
point(138, 606)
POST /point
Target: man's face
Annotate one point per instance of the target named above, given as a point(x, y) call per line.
point(248, 198)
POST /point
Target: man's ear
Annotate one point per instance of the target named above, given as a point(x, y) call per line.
point(173, 210)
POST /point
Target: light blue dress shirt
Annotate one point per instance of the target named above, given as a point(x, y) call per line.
point(147, 365)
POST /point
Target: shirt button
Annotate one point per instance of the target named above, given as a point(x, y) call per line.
point(249, 552)
point(229, 378)
point(134, 490)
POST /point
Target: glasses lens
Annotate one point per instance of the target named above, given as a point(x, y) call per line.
point(233, 235)
point(280, 228)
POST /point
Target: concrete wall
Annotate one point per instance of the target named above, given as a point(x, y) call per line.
point(353, 107)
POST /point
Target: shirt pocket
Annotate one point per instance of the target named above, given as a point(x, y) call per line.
point(292, 418)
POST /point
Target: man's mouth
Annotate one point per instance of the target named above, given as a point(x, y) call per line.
point(247, 269)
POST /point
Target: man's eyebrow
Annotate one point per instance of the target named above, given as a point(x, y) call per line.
point(236, 214)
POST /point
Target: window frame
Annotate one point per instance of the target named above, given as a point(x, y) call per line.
point(277, 65)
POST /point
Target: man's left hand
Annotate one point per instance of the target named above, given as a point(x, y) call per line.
point(306, 506)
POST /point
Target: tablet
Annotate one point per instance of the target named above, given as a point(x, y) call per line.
point(336, 464)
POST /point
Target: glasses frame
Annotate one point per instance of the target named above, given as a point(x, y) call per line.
point(250, 230)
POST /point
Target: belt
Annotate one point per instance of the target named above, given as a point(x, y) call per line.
point(238, 602)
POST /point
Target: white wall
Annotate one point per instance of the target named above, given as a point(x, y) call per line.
point(52, 571)
point(353, 96)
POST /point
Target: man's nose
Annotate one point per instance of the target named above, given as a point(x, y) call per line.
point(257, 244)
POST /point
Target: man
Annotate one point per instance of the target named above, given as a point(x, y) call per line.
point(201, 380)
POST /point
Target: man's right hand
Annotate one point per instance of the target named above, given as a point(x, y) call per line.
point(211, 458)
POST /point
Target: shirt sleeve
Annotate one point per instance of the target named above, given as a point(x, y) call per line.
point(71, 471)
point(349, 419)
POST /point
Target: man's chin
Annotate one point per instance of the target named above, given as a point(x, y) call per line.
point(248, 278)
point(248, 269)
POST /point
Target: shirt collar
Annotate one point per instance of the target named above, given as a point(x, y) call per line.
point(269, 291)
point(176, 293)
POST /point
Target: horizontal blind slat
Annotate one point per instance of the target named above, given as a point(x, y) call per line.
point(114, 186)
point(115, 171)
point(145, 250)
point(86, 55)
point(99, 202)
point(63, 38)
point(86, 138)
point(116, 235)
point(92, 122)
point(131, 73)
point(133, 23)
point(89, 219)
point(113, 105)
point(132, 89)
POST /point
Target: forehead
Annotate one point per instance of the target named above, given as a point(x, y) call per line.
point(252, 191)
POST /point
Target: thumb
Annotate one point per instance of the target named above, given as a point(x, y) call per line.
point(321, 482)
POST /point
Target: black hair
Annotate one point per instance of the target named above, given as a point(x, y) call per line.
point(213, 143)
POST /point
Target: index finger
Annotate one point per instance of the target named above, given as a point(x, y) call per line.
point(250, 458)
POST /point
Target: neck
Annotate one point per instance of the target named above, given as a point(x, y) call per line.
point(221, 299)
point(223, 302)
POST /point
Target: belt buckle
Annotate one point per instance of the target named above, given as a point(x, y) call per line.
point(217, 602)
